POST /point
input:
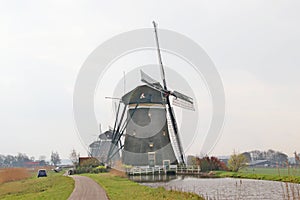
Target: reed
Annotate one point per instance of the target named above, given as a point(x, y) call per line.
point(13, 174)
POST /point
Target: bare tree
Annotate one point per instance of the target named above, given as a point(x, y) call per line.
point(55, 159)
point(74, 157)
point(42, 157)
point(42, 160)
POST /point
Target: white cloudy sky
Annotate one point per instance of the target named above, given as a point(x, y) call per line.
point(254, 44)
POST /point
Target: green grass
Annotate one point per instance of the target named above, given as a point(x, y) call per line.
point(121, 188)
point(272, 171)
point(272, 174)
point(55, 186)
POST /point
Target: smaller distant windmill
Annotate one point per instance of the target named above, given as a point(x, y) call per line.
point(145, 104)
point(99, 149)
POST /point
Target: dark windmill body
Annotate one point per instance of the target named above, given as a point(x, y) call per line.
point(150, 128)
point(147, 139)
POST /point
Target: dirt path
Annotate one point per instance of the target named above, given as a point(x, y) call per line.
point(87, 189)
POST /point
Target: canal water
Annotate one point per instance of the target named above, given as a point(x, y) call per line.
point(224, 188)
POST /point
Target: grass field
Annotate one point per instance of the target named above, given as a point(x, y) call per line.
point(118, 187)
point(55, 186)
point(273, 174)
point(273, 171)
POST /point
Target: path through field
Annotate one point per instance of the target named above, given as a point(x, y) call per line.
point(86, 188)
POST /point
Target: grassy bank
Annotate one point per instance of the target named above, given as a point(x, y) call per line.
point(271, 174)
point(273, 171)
point(55, 186)
point(118, 187)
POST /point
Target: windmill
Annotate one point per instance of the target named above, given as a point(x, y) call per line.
point(99, 149)
point(152, 135)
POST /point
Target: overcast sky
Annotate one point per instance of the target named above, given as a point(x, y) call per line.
point(254, 44)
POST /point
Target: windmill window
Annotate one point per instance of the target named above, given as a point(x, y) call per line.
point(164, 133)
point(151, 144)
point(134, 133)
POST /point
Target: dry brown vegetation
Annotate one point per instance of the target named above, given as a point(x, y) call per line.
point(13, 174)
point(117, 173)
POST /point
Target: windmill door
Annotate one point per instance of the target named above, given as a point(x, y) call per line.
point(151, 159)
point(166, 164)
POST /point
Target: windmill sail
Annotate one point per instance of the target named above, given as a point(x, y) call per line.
point(170, 109)
point(176, 144)
point(180, 100)
point(183, 104)
point(183, 97)
point(183, 101)
point(163, 77)
point(147, 79)
point(150, 81)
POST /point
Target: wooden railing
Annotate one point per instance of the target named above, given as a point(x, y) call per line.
point(164, 170)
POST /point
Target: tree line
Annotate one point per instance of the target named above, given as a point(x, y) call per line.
point(275, 157)
point(23, 160)
point(238, 161)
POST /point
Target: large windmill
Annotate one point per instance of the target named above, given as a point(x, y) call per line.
point(151, 135)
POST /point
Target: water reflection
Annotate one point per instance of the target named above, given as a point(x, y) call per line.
point(152, 178)
point(224, 188)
